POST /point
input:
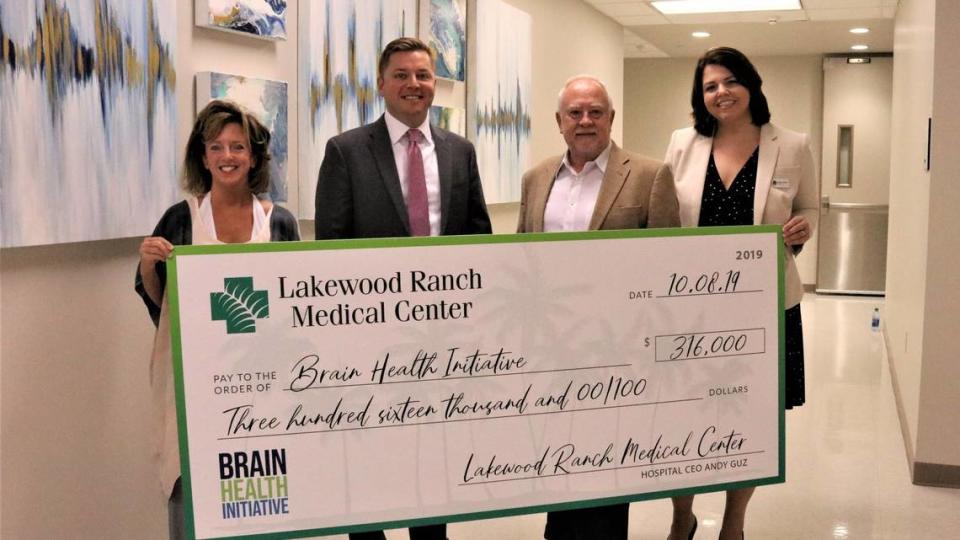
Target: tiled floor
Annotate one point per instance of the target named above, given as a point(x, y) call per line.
point(847, 474)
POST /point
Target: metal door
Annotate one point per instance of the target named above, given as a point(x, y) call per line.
point(853, 249)
point(855, 177)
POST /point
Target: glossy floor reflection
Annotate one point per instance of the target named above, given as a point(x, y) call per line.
point(847, 474)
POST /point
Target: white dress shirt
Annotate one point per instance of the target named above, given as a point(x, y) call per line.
point(398, 141)
point(574, 195)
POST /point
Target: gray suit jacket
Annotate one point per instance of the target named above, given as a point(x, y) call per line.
point(358, 188)
point(636, 192)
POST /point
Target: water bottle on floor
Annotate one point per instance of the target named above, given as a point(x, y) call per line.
point(875, 321)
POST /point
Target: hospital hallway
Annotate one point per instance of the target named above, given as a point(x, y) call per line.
point(847, 472)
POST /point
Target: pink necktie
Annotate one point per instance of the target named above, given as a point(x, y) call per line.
point(417, 210)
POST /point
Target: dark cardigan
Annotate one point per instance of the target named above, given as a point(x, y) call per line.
point(177, 227)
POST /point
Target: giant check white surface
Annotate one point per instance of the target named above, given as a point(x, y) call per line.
point(371, 384)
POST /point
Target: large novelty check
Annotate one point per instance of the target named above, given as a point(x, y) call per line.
point(339, 386)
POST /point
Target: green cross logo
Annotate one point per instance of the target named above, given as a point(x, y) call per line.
point(239, 305)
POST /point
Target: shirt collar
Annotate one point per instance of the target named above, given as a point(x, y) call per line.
point(398, 130)
point(600, 162)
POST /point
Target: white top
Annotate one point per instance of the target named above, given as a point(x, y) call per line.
point(167, 449)
point(398, 141)
point(205, 231)
point(574, 195)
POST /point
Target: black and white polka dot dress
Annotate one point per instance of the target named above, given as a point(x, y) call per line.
point(734, 206)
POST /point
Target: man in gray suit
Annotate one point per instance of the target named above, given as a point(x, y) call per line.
point(594, 185)
point(400, 176)
point(374, 182)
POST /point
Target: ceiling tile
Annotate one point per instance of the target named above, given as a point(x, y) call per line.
point(842, 14)
point(635, 46)
point(702, 18)
point(822, 27)
point(841, 4)
point(644, 51)
point(766, 16)
point(642, 20)
point(627, 9)
point(785, 38)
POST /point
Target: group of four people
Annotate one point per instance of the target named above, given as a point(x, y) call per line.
point(401, 176)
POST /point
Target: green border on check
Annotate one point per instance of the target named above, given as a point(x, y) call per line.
point(389, 243)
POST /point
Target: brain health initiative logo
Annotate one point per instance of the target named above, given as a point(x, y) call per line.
point(254, 483)
point(239, 305)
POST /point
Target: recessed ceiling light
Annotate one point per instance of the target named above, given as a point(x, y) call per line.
point(677, 7)
point(859, 47)
point(700, 34)
point(860, 30)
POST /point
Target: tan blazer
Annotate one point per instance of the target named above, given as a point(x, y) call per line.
point(636, 192)
point(786, 184)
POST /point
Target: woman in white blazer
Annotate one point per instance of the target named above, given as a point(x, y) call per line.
point(736, 168)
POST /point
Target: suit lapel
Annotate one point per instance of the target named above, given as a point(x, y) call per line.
point(538, 204)
point(699, 160)
point(382, 152)
point(618, 169)
point(445, 171)
point(769, 152)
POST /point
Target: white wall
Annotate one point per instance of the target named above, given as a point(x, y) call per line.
point(938, 433)
point(657, 101)
point(201, 49)
point(74, 432)
point(74, 409)
point(909, 203)
point(858, 95)
point(75, 395)
point(569, 38)
point(924, 250)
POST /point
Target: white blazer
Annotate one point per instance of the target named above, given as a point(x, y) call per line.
point(786, 184)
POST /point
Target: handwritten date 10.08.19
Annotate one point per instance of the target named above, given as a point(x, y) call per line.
point(713, 283)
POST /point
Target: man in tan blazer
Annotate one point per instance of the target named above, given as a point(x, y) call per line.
point(594, 185)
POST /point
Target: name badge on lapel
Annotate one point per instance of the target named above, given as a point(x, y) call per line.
point(781, 182)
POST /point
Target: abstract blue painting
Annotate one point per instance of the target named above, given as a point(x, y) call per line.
point(340, 44)
point(448, 37)
point(87, 119)
point(501, 104)
point(258, 18)
point(268, 101)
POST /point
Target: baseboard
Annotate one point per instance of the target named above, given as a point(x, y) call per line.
point(936, 475)
point(922, 474)
point(898, 399)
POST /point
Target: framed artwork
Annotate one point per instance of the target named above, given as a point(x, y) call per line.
point(501, 98)
point(340, 44)
point(268, 101)
point(88, 119)
point(266, 19)
point(452, 119)
point(448, 37)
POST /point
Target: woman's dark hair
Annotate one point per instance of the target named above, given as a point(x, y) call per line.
point(210, 122)
point(746, 75)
